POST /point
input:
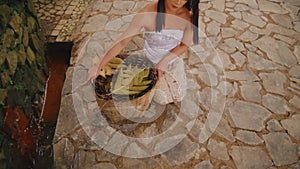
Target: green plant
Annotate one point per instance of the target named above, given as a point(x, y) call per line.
point(19, 87)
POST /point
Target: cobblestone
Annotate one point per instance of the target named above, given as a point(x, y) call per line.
point(249, 52)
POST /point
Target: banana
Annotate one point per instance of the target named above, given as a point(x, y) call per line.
point(139, 89)
point(116, 60)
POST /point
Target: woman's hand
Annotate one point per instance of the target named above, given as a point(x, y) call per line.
point(161, 67)
point(93, 72)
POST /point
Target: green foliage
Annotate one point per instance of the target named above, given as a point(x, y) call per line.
point(14, 4)
point(10, 82)
point(19, 87)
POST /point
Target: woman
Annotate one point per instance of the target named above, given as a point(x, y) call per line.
point(160, 20)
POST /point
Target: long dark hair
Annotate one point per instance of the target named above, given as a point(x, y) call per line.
point(191, 5)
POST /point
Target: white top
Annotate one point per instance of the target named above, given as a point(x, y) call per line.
point(159, 44)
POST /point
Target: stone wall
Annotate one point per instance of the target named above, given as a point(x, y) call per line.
point(23, 66)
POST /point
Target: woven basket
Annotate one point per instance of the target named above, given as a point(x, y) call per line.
point(126, 105)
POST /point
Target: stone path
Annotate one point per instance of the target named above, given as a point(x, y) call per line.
point(59, 18)
point(242, 108)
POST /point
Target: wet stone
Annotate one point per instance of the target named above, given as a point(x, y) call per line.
point(276, 104)
point(244, 157)
point(217, 149)
point(292, 125)
point(281, 148)
point(273, 126)
point(248, 137)
point(248, 115)
point(274, 82)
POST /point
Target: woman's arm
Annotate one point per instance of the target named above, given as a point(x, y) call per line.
point(178, 50)
point(132, 30)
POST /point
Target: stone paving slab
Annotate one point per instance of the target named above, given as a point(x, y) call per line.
point(59, 18)
point(243, 100)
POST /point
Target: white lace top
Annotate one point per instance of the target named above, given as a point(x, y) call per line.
point(159, 44)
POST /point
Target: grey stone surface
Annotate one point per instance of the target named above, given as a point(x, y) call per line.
point(182, 152)
point(251, 47)
point(275, 103)
point(204, 165)
point(248, 137)
point(248, 115)
point(277, 51)
point(252, 19)
point(274, 82)
point(292, 125)
point(295, 101)
point(244, 157)
point(251, 91)
point(217, 149)
point(273, 125)
point(281, 148)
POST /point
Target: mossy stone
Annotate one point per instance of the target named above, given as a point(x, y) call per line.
point(16, 97)
point(30, 7)
point(2, 56)
point(31, 24)
point(5, 16)
point(15, 22)
point(20, 36)
point(8, 38)
point(36, 42)
point(3, 95)
point(12, 59)
point(30, 55)
point(5, 78)
point(25, 37)
point(22, 55)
